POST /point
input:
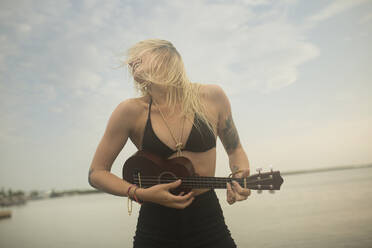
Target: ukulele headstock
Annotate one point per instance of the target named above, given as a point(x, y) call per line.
point(270, 180)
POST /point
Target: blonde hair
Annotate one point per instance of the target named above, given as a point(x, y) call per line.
point(164, 66)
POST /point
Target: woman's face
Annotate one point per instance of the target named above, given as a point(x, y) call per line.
point(136, 71)
point(134, 64)
point(138, 67)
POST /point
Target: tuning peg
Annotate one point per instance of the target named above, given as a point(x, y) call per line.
point(259, 169)
point(271, 191)
point(259, 191)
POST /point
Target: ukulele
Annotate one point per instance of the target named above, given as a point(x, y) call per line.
point(145, 169)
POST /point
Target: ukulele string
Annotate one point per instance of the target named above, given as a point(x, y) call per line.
point(151, 183)
point(194, 179)
point(193, 184)
point(220, 184)
point(154, 180)
point(198, 179)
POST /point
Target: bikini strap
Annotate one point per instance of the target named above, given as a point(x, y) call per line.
point(148, 116)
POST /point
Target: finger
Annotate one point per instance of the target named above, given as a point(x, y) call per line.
point(185, 204)
point(173, 185)
point(241, 198)
point(181, 194)
point(230, 195)
point(182, 199)
point(241, 191)
point(230, 199)
point(229, 188)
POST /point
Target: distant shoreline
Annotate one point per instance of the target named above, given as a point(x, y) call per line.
point(9, 198)
point(346, 167)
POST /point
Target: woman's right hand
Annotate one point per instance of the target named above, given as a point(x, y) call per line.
point(160, 194)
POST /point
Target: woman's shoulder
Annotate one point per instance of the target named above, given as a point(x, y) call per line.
point(212, 92)
point(132, 106)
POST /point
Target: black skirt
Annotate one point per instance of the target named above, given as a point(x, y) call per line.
point(199, 225)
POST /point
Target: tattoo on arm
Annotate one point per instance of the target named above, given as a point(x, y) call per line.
point(229, 135)
point(234, 168)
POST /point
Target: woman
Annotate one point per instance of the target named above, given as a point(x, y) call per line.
point(173, 117)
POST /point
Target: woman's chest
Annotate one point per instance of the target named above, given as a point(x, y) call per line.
point(170, 131)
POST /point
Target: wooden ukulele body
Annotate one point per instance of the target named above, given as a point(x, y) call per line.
point(142, 165)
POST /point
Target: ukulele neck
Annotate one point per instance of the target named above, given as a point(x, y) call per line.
point(252, 182)
point(210, 182)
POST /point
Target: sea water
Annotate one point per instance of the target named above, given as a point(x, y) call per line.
point(327, 209)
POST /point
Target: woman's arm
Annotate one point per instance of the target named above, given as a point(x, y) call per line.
point(119, 128)
point(228, 134)
point(115, 137)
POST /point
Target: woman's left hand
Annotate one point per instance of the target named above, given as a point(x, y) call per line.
point(235, 192)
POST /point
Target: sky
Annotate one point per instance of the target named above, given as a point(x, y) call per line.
point(297, 74)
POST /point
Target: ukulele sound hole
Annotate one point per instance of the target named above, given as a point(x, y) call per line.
point(167, 177)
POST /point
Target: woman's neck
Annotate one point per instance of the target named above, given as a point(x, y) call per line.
point(158, 93)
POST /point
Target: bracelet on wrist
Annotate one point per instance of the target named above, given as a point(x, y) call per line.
point(135, 197)
point(128, 192)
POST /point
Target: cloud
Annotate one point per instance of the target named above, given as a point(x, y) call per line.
point(65, 51)
point(366, 18)
point(57, 79)
point(72, 46)
point(234, 45)
point(335, 8)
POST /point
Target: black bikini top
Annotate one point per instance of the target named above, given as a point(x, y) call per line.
point(198, 141)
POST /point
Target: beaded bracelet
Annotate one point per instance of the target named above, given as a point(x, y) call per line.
point(129, 201)
point(129, 191)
